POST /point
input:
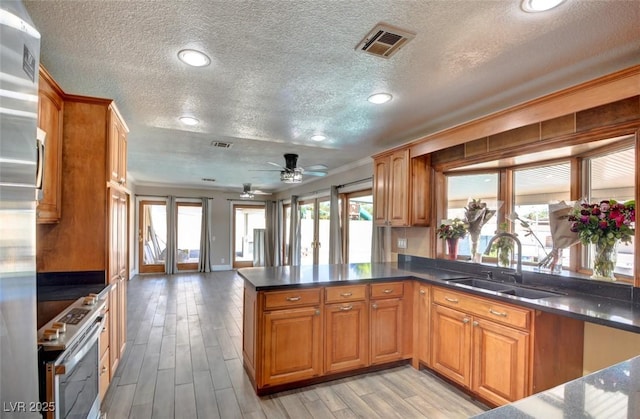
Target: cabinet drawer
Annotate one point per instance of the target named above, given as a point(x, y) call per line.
point(484, 307)
point(345, 293)
point(387, 290)
point(104, 335)
point(292, 298)
point(104, 375)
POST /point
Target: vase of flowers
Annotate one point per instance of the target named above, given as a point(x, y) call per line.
point(452, 231)
point(605, 225)
point(476, 216)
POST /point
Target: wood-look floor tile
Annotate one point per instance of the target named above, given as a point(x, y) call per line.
point(184, 359)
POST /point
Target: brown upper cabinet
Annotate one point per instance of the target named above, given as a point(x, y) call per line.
point(401, 189)
point(117, 149)
point(50, 114)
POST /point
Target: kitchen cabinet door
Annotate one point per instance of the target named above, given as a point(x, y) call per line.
point(117, 160)
point(50, 114)
point(424, 324)
point(500, 360)
point(451, 344)
point(391, 189)
point(114, 324)
point(292, 345)
point(386, 330)
point(346, 336)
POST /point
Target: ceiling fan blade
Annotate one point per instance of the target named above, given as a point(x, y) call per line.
point(315, 167)
point(275, 164)
point(265, 170)
point(257, 192)
point(315, 173)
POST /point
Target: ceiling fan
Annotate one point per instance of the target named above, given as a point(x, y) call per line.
point(247, 193)
point(291, 173)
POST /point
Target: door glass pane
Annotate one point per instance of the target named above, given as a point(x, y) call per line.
point(461, 189)
point(324, 213)
point(534, 190)
point(247, 219)
point(153, 231)
point(189, 231)
point(307, 212)
point(612, 176)
point(360, 228)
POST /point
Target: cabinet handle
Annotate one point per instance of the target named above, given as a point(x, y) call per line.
point(374, 305)
point(497, 313)
point(317, 312)
point(465, 320)
point(104, 329)
point(451, 300)
point(346, 294)
point(293, 299)
point(388, 291)
point(475, 324)
point(103, 370)
point(346, 308)
point(422, 292)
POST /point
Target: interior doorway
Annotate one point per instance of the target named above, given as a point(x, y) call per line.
point(248, 233)
point(152, 236)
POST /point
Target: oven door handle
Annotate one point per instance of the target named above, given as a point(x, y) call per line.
point(70, 361)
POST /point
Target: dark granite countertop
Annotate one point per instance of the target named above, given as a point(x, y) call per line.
point(613, 392)
point(618, 313)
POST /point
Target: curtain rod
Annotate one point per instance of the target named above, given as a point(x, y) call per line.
point(167, 196)
point(356, 181)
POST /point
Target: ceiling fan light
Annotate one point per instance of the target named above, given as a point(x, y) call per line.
point(291, 176)
point(194, 58)
point(189, 120)
point(534, 6)
point(380, 98)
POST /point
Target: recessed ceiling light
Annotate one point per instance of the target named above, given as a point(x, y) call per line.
point(188, 120)
point(194, 58)
point(379, 98)
point(318, 137)
point(533, 6)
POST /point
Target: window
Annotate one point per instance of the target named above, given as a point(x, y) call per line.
point(152, 236)
point(462, 188)
point(246, 219)
point(612, 176)
point(286, 222)
point(533, 190)
point(314, 231)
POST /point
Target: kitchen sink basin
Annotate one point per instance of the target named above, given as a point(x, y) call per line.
point(481, 283)
point(531, 294)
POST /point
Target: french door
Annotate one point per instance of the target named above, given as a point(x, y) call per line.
point(314, 231)
point(152, 236)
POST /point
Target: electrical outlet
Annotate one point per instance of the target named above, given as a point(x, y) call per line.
point(402, 243)
point(221, 260)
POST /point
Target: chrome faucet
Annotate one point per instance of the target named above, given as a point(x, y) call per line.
point(517, 277)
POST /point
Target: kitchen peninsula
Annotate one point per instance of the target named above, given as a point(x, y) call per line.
point(307, 324)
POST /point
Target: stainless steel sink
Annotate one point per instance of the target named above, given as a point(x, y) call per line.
point(528, 293)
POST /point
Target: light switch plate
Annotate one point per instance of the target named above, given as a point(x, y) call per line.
point(402, 243)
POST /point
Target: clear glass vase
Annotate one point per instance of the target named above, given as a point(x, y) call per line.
point(474, 238)
point(604, 260)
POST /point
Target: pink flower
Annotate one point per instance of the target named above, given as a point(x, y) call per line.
point(603, 224)
point(604, 206)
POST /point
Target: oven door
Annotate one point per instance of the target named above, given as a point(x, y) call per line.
point(72, 379)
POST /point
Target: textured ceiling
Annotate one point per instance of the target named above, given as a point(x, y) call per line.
point(284, 70)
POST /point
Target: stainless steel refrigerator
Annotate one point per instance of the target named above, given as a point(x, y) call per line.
point(20, 165)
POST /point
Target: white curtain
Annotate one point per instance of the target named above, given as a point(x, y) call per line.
point(204, 262)
point(335, 229)
point(170, 263)
point(271, 234)
point(380, 244)
point(294, 234)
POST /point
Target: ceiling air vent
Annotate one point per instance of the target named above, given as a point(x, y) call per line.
point(221, 144)
point(384, 40)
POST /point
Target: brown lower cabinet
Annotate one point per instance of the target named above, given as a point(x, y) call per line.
point(498, 351)
point(501, 352)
